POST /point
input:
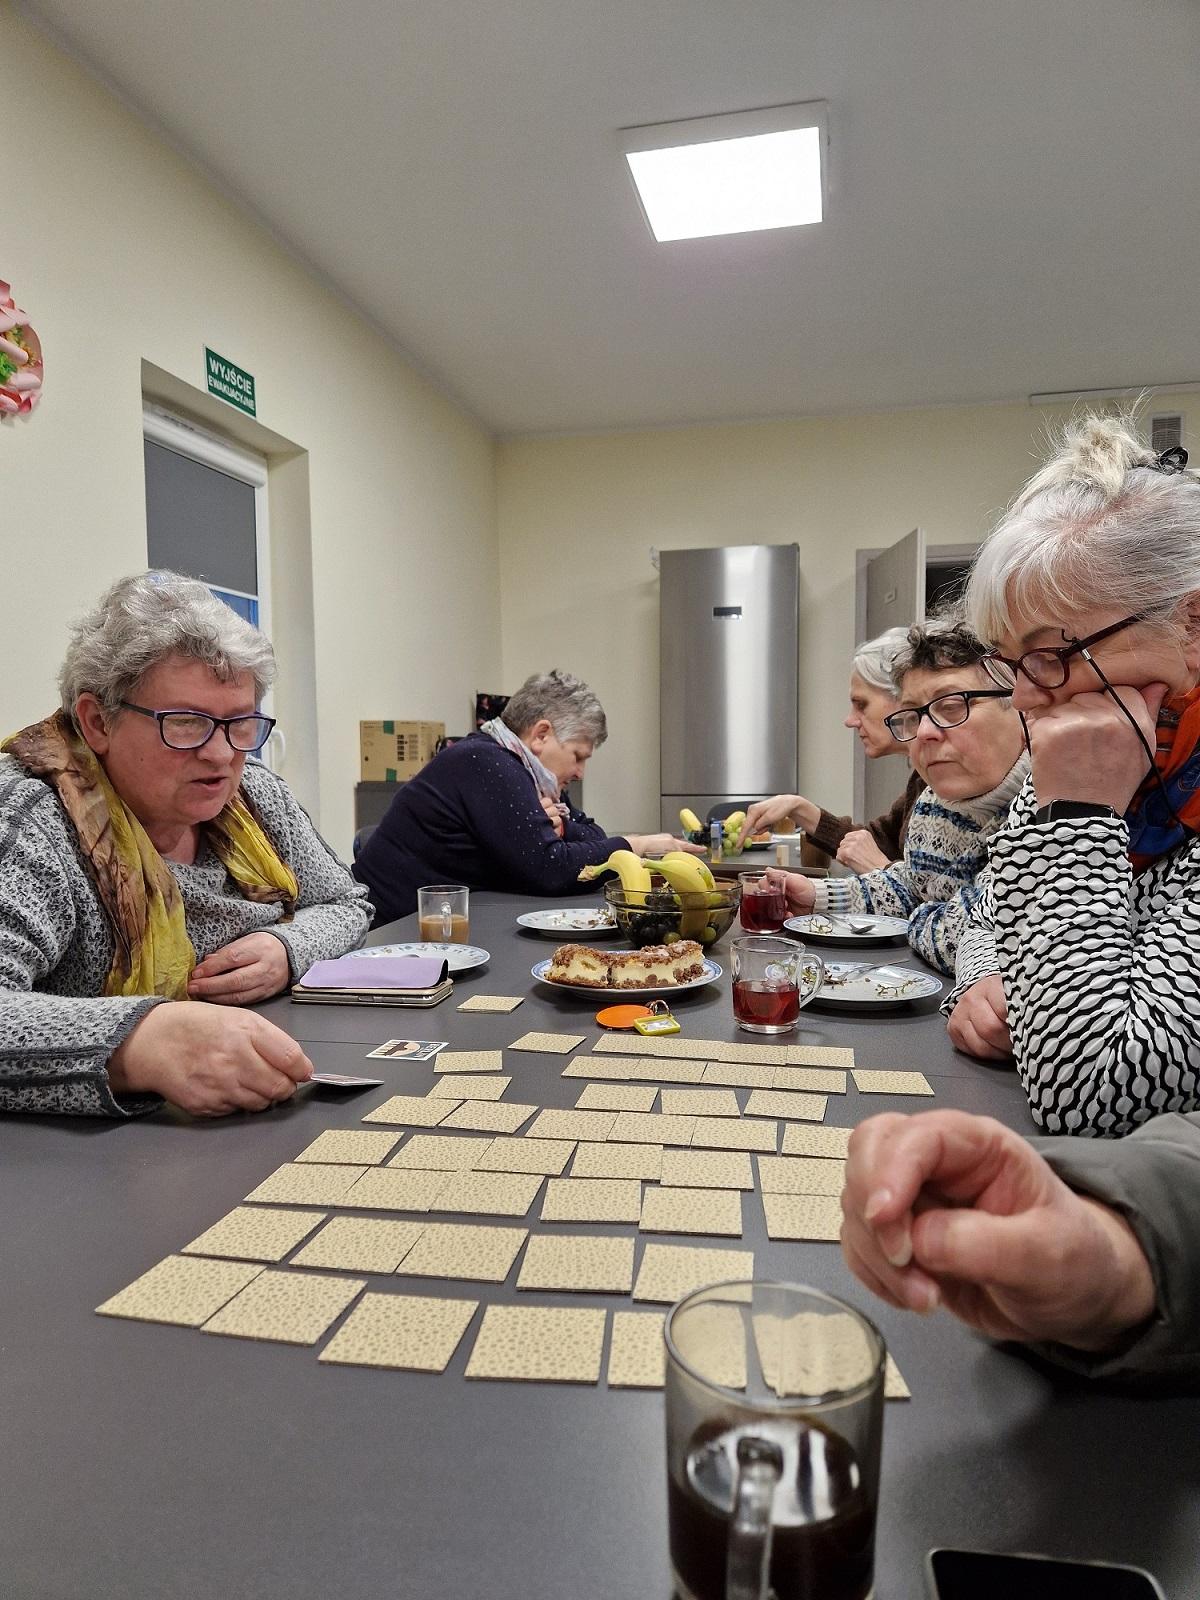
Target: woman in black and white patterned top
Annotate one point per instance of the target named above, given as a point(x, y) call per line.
point(1082, 958)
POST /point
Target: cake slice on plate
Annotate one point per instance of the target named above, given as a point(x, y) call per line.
point(657, 967)
point(580, 964)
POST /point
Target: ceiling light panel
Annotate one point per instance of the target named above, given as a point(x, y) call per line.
point(734, 174)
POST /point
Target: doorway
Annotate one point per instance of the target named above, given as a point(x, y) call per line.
point(945, 582)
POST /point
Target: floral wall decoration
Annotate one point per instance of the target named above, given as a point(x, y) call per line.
point(20, 358)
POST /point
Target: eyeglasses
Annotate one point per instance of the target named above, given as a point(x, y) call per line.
point(1047, 669)
point(191, 730)
point(947, 711)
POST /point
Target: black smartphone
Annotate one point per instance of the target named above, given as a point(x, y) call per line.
point(976, 1575)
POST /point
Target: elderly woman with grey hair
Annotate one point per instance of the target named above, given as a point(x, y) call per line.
point(1082, 956)
point(872, 698)
point(488, 811)
point(144, 860)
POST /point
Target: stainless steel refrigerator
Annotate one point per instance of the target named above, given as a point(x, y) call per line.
point(729, 634)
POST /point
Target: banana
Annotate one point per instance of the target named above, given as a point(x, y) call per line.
point(690, 822)
point(682, 872)
point(701, 866)
point(632, 871)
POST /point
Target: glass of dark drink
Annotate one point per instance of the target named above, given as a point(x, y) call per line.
point(772, 979)
point(764, 904)
point(774, 1404)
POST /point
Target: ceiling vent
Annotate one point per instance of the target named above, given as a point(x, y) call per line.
point(1165, 432)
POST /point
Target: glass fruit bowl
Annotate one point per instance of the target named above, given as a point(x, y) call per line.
point(662, 915)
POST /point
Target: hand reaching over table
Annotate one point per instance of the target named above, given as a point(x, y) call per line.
point(658, 844)
point(767, 814)
point(948, 1209)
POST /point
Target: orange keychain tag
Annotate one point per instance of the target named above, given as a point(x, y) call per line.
point(622, 1016)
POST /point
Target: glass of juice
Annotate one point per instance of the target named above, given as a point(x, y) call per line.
point(774, 1407)
point(772, 979)
point(764, 906)
point(442, 913)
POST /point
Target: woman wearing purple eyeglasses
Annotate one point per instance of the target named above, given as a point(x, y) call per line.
point(1082, 957)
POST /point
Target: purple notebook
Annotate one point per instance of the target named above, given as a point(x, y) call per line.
point(376, 972)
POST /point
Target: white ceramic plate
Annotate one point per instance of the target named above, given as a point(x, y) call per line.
point(880, 989)
point(458, 957)
point(833, 930)
point(582, 922)
point(711, 973)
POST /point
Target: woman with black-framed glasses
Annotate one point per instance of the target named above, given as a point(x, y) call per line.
point(966, 747)
point(1082, 958)
point(145, 861)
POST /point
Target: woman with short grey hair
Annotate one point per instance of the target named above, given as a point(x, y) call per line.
point(489, 811)
point(872, 697)
point(561, 699)
point(145, 859)
point(1082, 958)
point(144, 619)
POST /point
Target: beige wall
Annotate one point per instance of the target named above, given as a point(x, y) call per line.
point(399, 522)
point(122, 254)
point(578, 516)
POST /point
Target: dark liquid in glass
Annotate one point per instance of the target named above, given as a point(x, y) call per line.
point(770, 1005)
point(823, 1544)
point(764, 912)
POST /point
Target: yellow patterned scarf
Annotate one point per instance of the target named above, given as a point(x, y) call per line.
point(152, 952)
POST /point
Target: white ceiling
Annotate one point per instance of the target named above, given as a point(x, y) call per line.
point(1014, 200)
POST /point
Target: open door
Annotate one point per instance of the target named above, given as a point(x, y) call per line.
point(895, 596)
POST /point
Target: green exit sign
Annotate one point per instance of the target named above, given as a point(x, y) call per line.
point(228, 382)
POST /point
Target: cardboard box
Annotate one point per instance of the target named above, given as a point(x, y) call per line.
point(392, 752)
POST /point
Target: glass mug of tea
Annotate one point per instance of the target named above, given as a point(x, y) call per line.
point(774, 1406)
point(764, 907)
point(772, 979)
point(442, 913)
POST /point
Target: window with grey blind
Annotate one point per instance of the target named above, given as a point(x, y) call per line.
point(205, 521)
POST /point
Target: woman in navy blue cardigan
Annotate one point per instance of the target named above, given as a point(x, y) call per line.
point(489, 812)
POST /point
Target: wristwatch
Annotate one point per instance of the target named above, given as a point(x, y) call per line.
point(1057, 810)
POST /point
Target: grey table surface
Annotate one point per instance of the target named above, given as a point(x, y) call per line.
point(148, 1462)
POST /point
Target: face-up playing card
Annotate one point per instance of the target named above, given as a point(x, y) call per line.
point(408, 1049)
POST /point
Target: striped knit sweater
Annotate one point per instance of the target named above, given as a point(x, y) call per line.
point(1101, 969)
point(934, 885)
